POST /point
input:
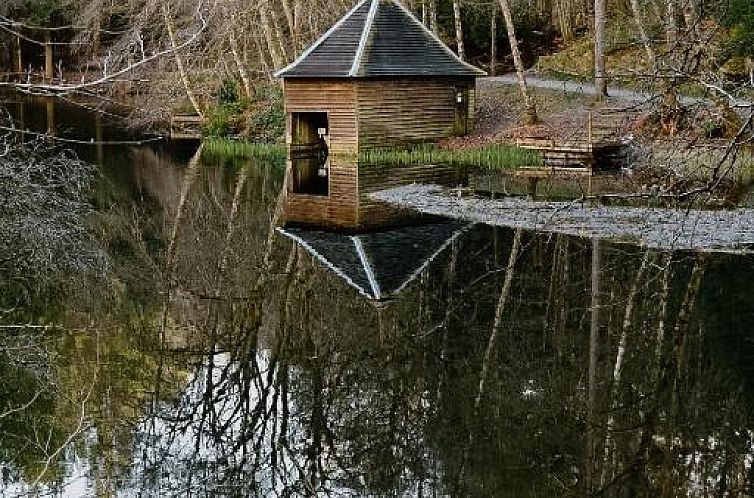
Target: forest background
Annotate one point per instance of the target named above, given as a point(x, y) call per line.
point(217, 58)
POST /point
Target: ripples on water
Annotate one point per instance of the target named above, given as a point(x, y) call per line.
point(263, 365)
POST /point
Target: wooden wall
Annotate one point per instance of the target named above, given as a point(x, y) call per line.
point(368, 113)
point(335, 97)
point(400, 111)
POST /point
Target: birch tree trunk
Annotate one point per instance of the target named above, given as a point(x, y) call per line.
point(600, 78)
point(277, 33)
point(459, 29)
point(179, 61)
point(272, 46)
point(619, 359)
point(493, 39)
point(240, 63)
point(498, 323)
point(289, 17)
point(529, 104)
point(672, 23)
point(638, 19)
point(432, 6)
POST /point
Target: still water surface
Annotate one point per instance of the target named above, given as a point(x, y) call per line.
point(222, 352)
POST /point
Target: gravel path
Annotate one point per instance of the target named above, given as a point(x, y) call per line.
point(707, 231)
point(589, 89)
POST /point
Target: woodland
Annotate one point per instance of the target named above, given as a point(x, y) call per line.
point(216, 58)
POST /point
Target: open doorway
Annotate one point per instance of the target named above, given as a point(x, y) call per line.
point(310, 133)
point(310, 142)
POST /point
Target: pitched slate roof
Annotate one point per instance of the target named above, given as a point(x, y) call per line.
point(379, 265)
point(378, 38)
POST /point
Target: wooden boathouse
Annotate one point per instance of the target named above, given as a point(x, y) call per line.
point(377, 78)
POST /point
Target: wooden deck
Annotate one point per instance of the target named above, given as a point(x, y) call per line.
point(598, 144)
point(186, 127)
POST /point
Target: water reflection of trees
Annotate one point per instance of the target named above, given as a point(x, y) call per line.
point(252, 370)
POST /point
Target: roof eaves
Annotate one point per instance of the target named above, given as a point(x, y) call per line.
point(320, 41)
point(364, 39)
point(434, 255)
point(376, 292)
point(438, 40)
point(338, 271)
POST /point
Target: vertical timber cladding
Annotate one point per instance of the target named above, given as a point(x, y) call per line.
point(336, 97)
point(409, 110)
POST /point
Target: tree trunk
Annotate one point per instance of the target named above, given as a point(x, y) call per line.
point(690, 16)
point(297, 38)
point(278, 34)
point(672, 26)
point(96, 28)
point(564, 19)
point(600, 78)
point(593, 358)
point(529, 104)
point(493, 39)
point(240, 64)
point(289, 17)
point(179, 61)
point(498, 323)
point(272, 46)
point(264, 64)
point(432, 6)
point(18, 56)
point(643, 34)
point(619, 360)
point(459, 29)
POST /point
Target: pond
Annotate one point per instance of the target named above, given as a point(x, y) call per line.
point(221, 351)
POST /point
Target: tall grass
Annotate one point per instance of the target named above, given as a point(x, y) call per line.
point(223, 147)
point(491, 157)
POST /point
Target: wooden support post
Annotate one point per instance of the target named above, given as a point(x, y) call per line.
point(50, 107)
point(531, 187)
point(49, 62)
point(589, 131)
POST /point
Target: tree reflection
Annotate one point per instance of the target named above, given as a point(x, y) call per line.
point(238, 365)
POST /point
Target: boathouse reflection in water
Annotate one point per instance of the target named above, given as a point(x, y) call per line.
point(345, 203)
point(376, 248)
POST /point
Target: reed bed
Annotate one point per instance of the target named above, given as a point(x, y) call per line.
point(491, 157)
point(238, 149)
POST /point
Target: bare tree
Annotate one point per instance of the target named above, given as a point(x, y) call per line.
point(529, 104)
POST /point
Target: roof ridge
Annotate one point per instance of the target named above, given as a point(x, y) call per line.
point(364, 38)
point(322, 39)
point(435, 37)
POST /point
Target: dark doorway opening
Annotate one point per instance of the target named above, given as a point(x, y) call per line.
point(311, 133)
point(310, 176)
point(309, 153)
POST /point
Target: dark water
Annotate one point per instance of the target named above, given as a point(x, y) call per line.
point(217, 356)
